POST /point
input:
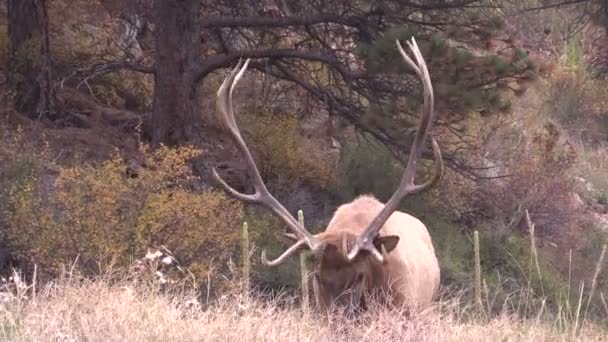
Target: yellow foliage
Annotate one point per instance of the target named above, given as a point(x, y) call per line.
point(100, 215)
point(197, 227)
point(281, 153)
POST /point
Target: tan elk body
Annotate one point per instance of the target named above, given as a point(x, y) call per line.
point(410, 272)
point(367, 246)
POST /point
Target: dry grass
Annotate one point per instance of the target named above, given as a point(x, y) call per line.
point(109, 309)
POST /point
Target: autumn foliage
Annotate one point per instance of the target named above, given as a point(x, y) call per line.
point(98, 214)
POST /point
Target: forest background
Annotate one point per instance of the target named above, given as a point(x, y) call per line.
point(109, 131)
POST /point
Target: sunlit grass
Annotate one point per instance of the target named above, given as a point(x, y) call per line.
point(119, 307)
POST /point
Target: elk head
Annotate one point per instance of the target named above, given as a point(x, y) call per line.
point(348, 262)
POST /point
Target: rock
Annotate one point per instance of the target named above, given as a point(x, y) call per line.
point(601, 220)
point(587, 185)
point(576, 199)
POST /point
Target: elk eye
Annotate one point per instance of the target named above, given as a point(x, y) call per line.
point(310, 257)
point(359, 277)
point(356, 281)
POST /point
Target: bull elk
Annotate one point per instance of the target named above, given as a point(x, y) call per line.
point(367, 246)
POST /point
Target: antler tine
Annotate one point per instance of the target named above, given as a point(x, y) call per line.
point(407, 186)
point(261, 195)
point(283, 257)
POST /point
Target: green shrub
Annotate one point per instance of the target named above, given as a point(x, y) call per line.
point(603, 199)
point(587, 261)
point(366, 168)
point(506, 264)
point(264, 229)
point(454, 251)
point(505, 261)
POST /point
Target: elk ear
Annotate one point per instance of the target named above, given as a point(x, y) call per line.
point(389, 242)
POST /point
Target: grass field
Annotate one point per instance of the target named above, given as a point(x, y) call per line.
point(110, 309)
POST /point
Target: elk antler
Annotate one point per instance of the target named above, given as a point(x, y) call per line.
point(262, 195)
point(407, 186)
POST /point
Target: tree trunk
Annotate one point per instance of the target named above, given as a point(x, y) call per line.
point(176, 117)
point(30, 57)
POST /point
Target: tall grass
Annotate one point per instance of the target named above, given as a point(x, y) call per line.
point(304, 273)
point(477, 268)
point(114, 307)
point(245, 256)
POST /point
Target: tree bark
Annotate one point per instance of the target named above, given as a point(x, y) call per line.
point(30, 57)
point(176, 118)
